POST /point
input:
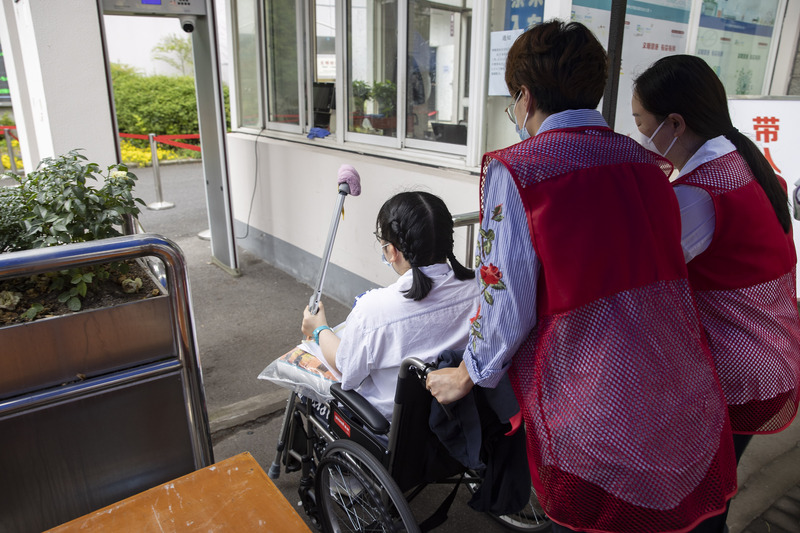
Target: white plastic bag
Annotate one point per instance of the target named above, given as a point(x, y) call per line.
point(303, 373)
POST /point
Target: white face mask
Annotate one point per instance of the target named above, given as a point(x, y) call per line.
point(383, 257)
point(523, 131)
point(648, 143)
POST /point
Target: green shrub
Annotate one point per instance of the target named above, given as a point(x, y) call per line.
point(55, 205)
point(164, 105)
point(12, 212)
point(60, 207)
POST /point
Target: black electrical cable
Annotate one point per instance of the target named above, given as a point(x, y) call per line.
point(255, 185)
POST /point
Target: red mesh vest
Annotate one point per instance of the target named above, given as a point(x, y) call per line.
point(744, 285)
point(626, 423)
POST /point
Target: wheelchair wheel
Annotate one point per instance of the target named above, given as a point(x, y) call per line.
point(356, 494)
point(531, 518)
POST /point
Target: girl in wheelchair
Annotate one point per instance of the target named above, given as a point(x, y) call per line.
point(425, 312)
point(359, 472)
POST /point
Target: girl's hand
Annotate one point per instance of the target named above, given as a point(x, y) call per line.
point(312, 322)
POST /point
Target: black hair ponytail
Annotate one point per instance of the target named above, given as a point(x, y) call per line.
point(421, 285)
point(419, 225)
point(764, 174)
point(461, 272)
point(663, 88)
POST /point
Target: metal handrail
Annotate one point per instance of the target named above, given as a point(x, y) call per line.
point(469, 220)
point(41, 260)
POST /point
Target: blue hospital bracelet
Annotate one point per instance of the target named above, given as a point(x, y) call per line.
point(317, 331)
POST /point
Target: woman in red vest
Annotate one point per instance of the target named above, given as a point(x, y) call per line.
point(736, 239)
point(586, 304)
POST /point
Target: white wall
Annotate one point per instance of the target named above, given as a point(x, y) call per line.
point(297, 191)
point(58, 63)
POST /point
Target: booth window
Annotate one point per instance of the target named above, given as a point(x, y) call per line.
point(247, 63)
point(437, 80)
point(403, 80)
point(283, 78)
point(323, 86)
point(372, 67)
point(404, 76)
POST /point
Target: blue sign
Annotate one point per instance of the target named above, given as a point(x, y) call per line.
point(520, 14)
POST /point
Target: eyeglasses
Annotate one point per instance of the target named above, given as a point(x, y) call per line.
point(383, 255)
point(379, 243)
point(510, 109)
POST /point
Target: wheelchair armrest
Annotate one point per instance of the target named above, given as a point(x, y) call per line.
point(364, 411)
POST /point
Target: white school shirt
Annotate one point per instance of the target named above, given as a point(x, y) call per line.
point(697, 209)
point(385, 327)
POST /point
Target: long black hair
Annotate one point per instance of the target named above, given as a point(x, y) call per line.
point(686, 85)
point(420, 226)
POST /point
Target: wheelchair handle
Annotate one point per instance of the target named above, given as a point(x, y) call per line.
point(412, 364)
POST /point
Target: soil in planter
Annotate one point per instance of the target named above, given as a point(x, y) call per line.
point(100, 292)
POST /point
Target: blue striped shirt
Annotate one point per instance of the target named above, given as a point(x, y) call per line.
point(506, 322)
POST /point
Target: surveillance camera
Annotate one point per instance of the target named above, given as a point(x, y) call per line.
point(188, 23)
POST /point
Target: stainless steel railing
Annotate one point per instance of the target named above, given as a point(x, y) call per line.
point(468, 220)
point(157, 395)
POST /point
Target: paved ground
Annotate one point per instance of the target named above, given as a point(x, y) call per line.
point(244, 323)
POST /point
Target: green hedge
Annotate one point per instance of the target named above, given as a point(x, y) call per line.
point(164, 105)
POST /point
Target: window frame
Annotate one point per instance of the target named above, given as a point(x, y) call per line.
point(777, 76)
point(435, 146)
point(398, 147)
point(300, 28)
point(233, 25)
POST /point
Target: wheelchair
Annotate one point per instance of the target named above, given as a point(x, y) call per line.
point(359, 473)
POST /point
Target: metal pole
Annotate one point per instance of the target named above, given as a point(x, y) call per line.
point(313, 304)
point(11, 157)
point(470, 245)
point(469, 220)
point(615, 33)
point(159, 204)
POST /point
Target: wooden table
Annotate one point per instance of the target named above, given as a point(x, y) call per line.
point(233, 495)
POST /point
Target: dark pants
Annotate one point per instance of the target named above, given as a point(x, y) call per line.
point(715, 524)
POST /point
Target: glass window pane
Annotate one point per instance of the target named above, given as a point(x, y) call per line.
point(325, 45)
point(247, 62)
point(504, 20)
point(735, 38)
point(652, 30)
point(372, 68)
point(437, 79)
point(282, 60)
point(323, 89)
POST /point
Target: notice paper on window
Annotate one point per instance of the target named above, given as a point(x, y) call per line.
point(499, 44)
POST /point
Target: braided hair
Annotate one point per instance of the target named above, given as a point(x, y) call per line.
point(663, 88)
point(420, 226)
